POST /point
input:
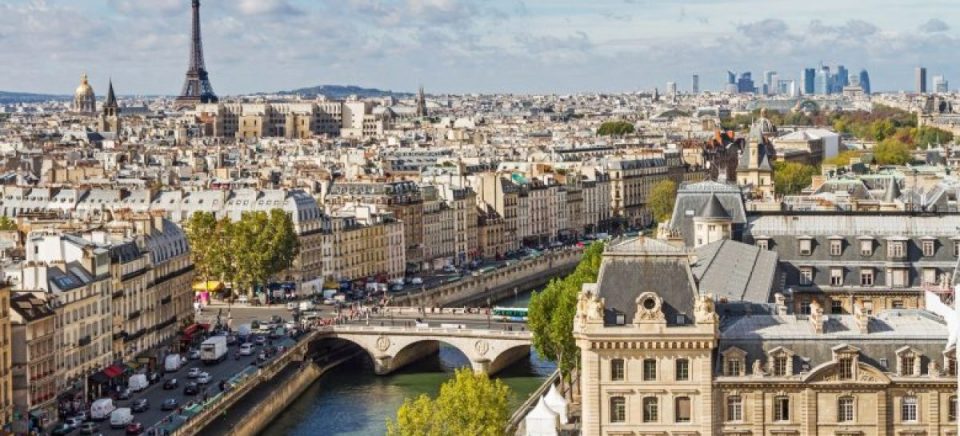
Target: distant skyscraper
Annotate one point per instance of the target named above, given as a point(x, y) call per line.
point(823, 81)
point(809, 78)
point(696, 84)
point(921, 80)
point(840, 79)
point(769, 82)
point(672, 89)
point(940, 84)
point(865, 81)
point(731, 78)
point(745, 83)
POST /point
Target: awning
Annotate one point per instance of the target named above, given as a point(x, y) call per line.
point(209, 286)
point(113, 371)
point(99, 378)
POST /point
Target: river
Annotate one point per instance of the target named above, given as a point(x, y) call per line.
point(352, 400)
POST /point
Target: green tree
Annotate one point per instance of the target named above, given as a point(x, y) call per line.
point(843, 159)
point(203, 236)
point(891, 152)
point(552, 311)
point(7, 224)
point(926, 136)
point(615, 128)
point(790, 177)
point(468, 404)
point(662, 197)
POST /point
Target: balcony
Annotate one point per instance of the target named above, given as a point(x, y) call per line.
point(166, 300)
point(84, 341)
point(136, 335)
point(117, 294)
point(133, 315)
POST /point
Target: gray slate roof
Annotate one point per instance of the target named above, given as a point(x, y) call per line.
point(736, 271)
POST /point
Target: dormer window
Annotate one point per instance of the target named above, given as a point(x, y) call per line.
point(866, 247)
point(896, 249)
point(733, 362)
point(836, 247)
point(928, 247)
point(781, 362)
point(845, 368)
point(908, 362)
point(806, 246)
point(763, 244)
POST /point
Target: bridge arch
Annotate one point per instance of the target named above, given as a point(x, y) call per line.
point(392, 348)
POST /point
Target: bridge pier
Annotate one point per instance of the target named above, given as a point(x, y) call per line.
point(384, 364)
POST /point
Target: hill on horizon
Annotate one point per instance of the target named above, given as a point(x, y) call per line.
point(343, 91)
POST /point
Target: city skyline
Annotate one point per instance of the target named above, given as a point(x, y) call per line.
point(461, 46)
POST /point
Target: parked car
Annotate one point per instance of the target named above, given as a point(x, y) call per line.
point(416, 281)
point(191, 389)
point(124, 394)
point(153, 377)
point(134, 428)
point(140, 405)
point(260, 340)
point(169, 404)
point(73, 422)
point(231, 339)
point(62, 429)
point(292, 305)
point(82, 415)
point(170, 384)
point(193, 355)
point(203, 378)
point(193, 373)
point(89, 428)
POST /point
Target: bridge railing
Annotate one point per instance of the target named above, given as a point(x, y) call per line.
point(446, 331)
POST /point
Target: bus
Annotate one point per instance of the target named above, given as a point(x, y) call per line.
point(517, 314)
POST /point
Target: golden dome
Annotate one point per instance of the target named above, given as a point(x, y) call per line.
point(84, 90)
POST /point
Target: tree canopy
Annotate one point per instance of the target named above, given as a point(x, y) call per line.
point(615, 128)
point(7, 224)
point(246, 252)
point(468, 404)
point(552, 310)
point(891, 151)
point(662, 197)
point(843, 159)
point(790, 178)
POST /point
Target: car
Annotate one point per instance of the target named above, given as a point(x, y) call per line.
point(193, 355)
point(289, 325)
point(193, 373)
point(191, 389)
point(169, 404)
point(260, 340)
point(88, 428)
point(449, 269)
point(82, 415)
point(124, 394)
point(276, 320)
point(62, 429)
point(170, 384)
point(246, 349)
point(140, 405)
point(153, 377)
point(134, 428)
point(203, 378)
point(231, 339)
point(73, 422)
point(416, 281)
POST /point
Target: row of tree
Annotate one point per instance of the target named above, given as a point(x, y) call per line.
point(245, 252)
point(616, 128)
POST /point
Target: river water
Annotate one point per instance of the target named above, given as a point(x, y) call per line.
point(352, 400)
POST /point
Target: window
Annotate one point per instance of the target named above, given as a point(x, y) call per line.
point(836, 247)
point(650, 409)
point(845, 409)
point(805, 306)
point(806, 247)
point(929, 276)
point(897, 304)
point(780, 366)
point(866, 247)
point(846, 368)
point(682, 409)
point(734, 408)
point(618, 409)
point(806, 275)
point(906, 364)
point(836, 307)
point(781, 408)
point(898, 277)
point(952, 409)
point(866, 277)
point(649, 369)
point(895, 249)
point(908, 409)
point(836, 276)
point(732, 367)
point(616, 370)
point(928, 248)
point(683, 370)
point(956, 249)
point(951, 366)
point(763, 244)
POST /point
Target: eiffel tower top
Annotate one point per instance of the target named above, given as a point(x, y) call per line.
point(196, 86)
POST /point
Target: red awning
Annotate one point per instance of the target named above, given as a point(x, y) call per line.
point(113, 371)
point(192, 328)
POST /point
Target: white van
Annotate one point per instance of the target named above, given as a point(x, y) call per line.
point(121, 417)
point(138, 382)
point(101, 409)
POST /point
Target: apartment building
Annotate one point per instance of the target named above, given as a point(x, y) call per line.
point(35, 358)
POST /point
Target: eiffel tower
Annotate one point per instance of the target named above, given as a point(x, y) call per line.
point(196, 87)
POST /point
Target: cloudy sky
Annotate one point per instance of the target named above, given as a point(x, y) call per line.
point(519, 46)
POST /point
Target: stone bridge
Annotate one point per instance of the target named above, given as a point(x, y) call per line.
point(390, 348)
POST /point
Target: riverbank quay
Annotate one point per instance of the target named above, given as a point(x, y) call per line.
point(482, 288)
